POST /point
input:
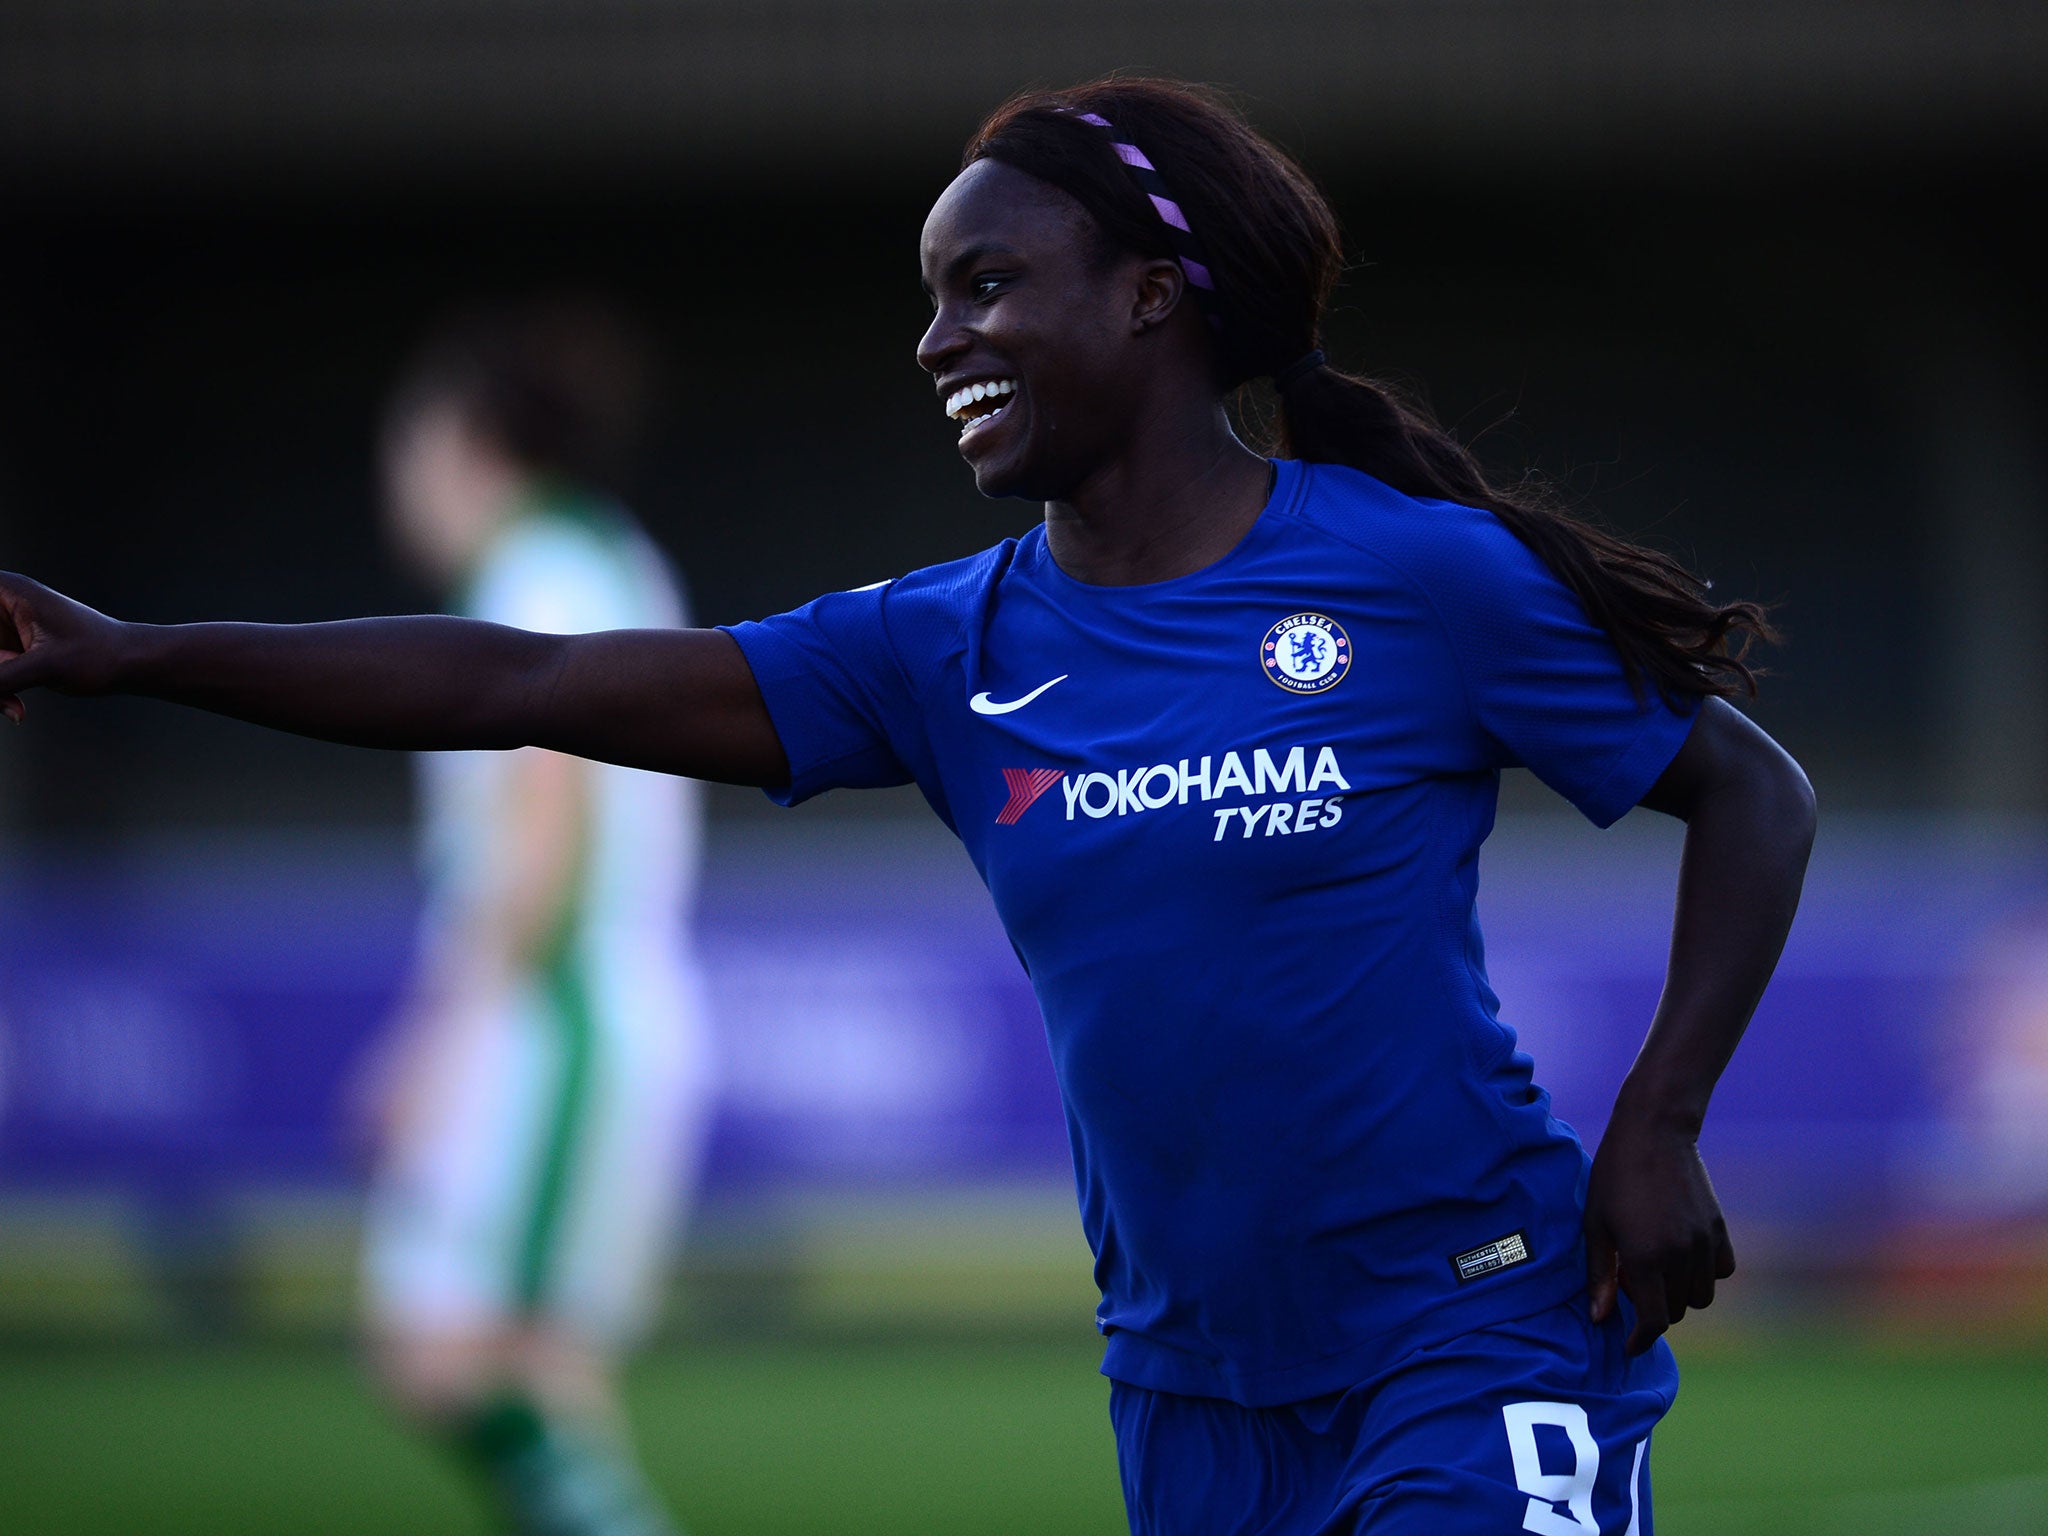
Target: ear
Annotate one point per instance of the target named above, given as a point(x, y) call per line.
point(1160, 284)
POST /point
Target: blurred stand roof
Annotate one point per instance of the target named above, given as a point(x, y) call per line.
point(638, 90)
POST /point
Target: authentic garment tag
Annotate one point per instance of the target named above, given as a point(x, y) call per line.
point(1490, 1258)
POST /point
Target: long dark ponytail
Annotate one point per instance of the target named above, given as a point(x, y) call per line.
point(1276, 254)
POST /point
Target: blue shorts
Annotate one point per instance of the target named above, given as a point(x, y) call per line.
point(1541, 1424)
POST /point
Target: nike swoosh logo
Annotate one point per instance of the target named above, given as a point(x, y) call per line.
point(985, 704)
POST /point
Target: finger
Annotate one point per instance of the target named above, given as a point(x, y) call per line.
point(22, 671)
point(1724, 1255)
point(1701, 1292)
point(11, 626)
point(1702, 1270)
point(1652, 1317)
point(1603, 1266)
point(12, 707)
point(1677, 1287)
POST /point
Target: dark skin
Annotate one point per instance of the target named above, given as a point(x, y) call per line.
point(1654, 1228)
point(1117, 426)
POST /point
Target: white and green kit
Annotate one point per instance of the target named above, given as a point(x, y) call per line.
point(551, 1171)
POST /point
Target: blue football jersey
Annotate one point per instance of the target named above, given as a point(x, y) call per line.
point(1231, 823)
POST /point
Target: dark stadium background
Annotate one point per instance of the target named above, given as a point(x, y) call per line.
point(1758, 282)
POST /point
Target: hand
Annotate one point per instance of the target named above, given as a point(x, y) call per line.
point(48, 641)
point(1653, 1226)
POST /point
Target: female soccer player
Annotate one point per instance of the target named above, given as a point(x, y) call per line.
point(1223, 737)
point(544, 1096)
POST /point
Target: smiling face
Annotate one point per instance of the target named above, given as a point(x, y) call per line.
point(1037, 340)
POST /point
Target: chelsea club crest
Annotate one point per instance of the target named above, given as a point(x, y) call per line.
point(1306, 653)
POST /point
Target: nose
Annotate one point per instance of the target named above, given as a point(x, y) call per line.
point(943, 340)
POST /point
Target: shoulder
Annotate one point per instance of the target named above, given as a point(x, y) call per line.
point(958, 583)
point(1451, 555)
point(928, 610)
point(912, 624)
point(1413, 533)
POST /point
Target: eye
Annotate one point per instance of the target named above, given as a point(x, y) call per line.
point(986, 285)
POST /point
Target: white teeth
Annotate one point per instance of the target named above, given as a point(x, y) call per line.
point(969, 394)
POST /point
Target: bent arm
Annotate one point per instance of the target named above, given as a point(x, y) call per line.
point(1653, 1225)
point(677, 701)
point(1749, 815)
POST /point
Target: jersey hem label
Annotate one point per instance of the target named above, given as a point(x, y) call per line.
point(1491, 1258)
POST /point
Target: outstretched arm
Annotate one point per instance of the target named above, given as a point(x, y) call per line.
point(1653, 1226)
point(678, 701)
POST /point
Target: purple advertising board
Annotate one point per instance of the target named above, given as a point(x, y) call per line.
point(184, 1019)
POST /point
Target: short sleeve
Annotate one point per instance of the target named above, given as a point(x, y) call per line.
point(837, 692)
point(1545, 683)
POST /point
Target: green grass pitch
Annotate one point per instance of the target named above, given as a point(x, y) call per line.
point(969, 1440)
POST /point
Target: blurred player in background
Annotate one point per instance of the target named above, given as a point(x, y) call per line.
point(539, 1104)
